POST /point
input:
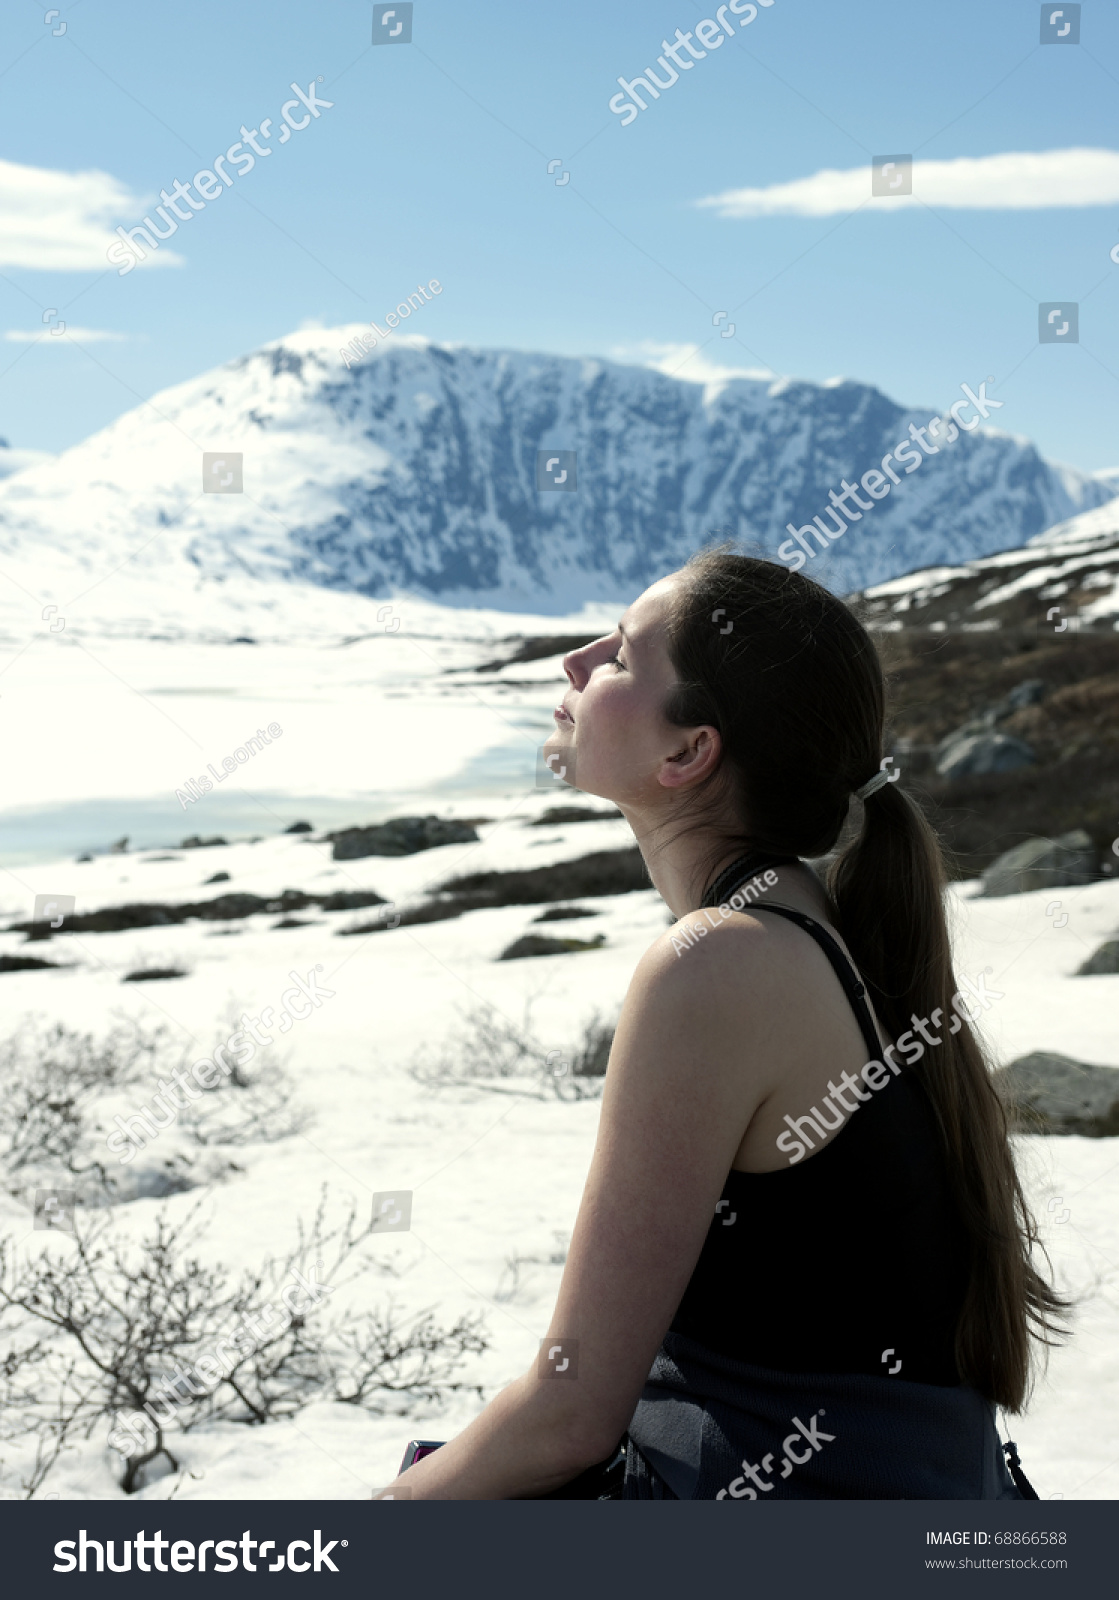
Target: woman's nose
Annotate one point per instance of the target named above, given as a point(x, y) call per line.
point(575, 669)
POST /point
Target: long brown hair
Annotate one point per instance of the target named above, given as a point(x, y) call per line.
point(793, 683)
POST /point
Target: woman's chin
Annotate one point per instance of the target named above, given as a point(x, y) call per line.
point(558, 761)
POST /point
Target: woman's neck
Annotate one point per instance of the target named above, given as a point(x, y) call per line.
point(685, 862)
point(682, 862)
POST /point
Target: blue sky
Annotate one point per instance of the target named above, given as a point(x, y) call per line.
point(432, 162)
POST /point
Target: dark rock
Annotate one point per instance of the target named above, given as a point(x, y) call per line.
point(196, 843)
point(1028, 693)
point(977, 754)
point(563, 913)
point(218, 877)
point(1059, 863)
point(225, 908)
point(147, 974)
point(593, 1058)
point(1103, 960)
point(351, 900)
point(85, 858)
point(603, 872)
point(1050, 1093)
point(114, 919)
point(538, 648)
point(556, 815)
point(444, 911)
point(292, 900)
point(300, 827)
point(24, 964)
point(401, 836)
point(153, 914)
point(540, 944)
point(294, 922)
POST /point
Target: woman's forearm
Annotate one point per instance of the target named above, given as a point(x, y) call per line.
point(525, 1443)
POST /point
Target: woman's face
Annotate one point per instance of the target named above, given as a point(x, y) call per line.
point(611, 732)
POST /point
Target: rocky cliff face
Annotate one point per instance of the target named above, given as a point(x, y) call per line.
point(416, 469)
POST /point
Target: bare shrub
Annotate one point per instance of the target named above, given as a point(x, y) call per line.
point(512, 1285)
point(148, 1338)
point(61, 1085)
point(50, 1074)
point(489, 1047)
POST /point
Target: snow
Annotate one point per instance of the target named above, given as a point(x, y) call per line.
point(414, 471)
point(376, 728)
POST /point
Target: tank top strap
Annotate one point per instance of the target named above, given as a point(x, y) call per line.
point(853, 986)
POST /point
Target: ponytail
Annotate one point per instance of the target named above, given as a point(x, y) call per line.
point(796, 690)
point(887, 887)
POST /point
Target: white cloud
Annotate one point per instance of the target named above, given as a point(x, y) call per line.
point(1015, 181)
point(683, 361)
point(64, 221)
point(80, 335)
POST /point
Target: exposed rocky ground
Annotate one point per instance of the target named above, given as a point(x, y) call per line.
point(948, 688)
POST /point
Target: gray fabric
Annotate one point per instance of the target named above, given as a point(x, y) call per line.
point(703, 1417)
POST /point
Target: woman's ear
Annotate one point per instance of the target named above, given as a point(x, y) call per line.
point(696, 760)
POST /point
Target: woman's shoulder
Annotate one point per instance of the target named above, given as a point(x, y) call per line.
point(742, 960)
point(728, 937)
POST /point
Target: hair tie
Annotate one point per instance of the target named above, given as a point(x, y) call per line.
point(873, 784)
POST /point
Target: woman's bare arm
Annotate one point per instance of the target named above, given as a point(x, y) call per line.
point(682, 1085)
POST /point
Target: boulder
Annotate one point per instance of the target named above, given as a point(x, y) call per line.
point(540, 944)
point(1105, 959)
point(557, 815)
point(1028, 693)
point(975, 755)
point(1050, 1093)
point(1057, 863)
point(401, 836)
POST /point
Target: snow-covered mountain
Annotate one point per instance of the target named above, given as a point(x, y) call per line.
point(1064, 580)
point(415, 470)
point(12, 461)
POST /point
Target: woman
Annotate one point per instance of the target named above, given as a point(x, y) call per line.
point(802, 1264)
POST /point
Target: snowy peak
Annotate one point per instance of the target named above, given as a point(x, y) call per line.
point(419, 467)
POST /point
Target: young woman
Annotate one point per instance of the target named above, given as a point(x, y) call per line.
point(802, 1266)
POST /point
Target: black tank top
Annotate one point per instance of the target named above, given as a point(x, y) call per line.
point(852, 1259)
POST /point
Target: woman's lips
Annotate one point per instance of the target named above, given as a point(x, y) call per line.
point(562, 714)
